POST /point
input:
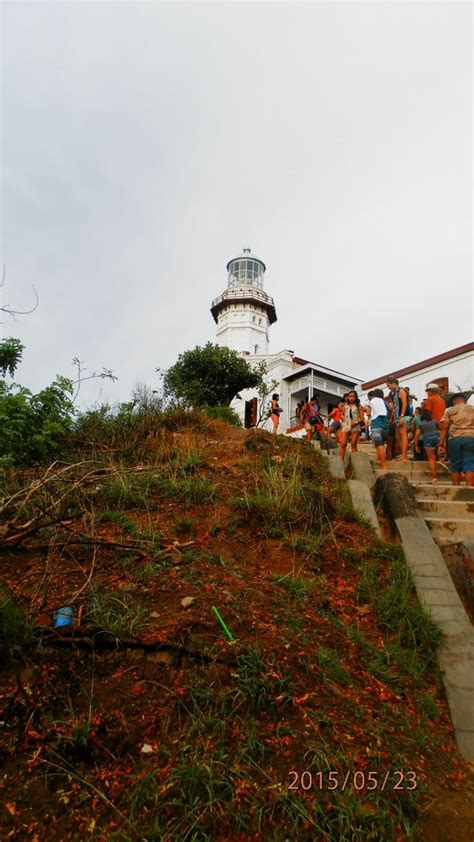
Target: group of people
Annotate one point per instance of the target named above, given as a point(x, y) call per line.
point(434, 430)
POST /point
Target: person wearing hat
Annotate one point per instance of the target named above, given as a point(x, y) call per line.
point(434, 403)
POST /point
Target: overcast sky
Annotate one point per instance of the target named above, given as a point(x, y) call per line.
point(144, 144)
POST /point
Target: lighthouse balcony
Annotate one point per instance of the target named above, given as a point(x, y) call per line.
point(244, 295)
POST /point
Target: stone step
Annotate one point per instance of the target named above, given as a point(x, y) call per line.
point(422, 473)
point(414, 467)
point(446, 508)
point(444, 490)
point(453, 528)
point(444, 481)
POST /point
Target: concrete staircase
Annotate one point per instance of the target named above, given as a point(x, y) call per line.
point(447, 510)
point(443, 516)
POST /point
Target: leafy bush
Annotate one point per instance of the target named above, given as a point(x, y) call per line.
point(32, 427)
point(135, 432)
point(223, 413)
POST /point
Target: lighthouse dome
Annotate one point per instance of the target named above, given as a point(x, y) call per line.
point(246, 269)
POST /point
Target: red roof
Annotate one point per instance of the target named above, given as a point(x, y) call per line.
point(440, 358)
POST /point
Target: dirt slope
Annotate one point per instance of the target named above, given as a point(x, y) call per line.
point(324, 718)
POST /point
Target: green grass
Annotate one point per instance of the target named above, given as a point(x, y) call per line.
point(193, 461)
point(411, 637)
point(15, 629)
point(198, 490)
point(121, 491)
point(192, 575)
point(275, 516)
point(261, 683)
point(331, 666)
point(150, 570)
point(116, 612)
point(275, 502)
point(310, 546)
point(178, 480)
point(185, 526)
point(284, 496)
point(296, 587)
point(398, 609)
point(188, 489)
point(129, 527)
point(351, 555)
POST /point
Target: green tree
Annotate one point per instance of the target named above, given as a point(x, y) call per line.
point(265, 388)
point(208, 376)
point(11, 352)
point(35, 427)
point(32, 426)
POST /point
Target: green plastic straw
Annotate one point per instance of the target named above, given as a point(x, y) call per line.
point(226, 631)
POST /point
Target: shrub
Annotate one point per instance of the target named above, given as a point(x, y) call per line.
point(223, 413)
point(136, 433)
point(33, 426)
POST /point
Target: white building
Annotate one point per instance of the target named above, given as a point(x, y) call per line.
point(453, 371)
point(243, 314)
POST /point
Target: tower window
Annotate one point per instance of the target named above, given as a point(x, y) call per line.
point(253, 319)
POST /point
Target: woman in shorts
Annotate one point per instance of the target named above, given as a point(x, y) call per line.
point(352, 423)
point(275, 412)
point(335, 419)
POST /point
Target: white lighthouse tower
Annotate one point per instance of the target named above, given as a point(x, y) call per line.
point(244, 312)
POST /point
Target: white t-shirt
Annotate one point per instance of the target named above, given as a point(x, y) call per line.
point(378, 408)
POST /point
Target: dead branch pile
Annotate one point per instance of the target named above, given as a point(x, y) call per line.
point(60, 497)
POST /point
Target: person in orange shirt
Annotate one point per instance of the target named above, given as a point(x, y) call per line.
point(434, 403)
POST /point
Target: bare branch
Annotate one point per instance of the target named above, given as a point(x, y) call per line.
point(12, 312)
point(105, 374)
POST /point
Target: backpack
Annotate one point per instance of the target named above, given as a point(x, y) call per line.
point(396, 395)
point(410, 407)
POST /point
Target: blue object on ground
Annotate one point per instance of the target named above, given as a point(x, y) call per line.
point(64, 616)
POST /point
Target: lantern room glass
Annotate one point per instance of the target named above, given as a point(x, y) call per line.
point(245, 271)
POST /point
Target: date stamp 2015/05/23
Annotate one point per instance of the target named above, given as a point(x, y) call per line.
point(395, 779)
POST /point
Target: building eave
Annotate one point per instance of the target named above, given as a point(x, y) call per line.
point(430, 361)
point(301, 362)
point(343, 379)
